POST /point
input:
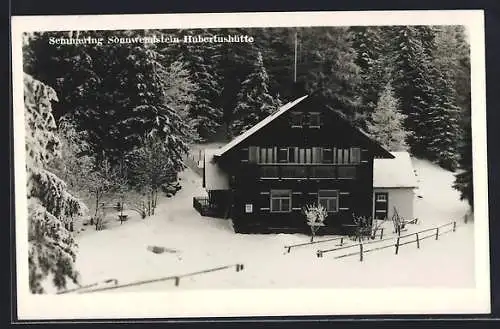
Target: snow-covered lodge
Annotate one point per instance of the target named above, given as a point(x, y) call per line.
point(304, 153)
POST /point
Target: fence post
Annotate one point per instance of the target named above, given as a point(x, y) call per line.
point(360, 252)
point(341, 241)
point(454, 226)
point(418, 241)
point(397, 245)
point(177, 281)
point(437, 233)
point(381, 233)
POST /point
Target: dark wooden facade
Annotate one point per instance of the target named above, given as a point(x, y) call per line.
point(308, 152)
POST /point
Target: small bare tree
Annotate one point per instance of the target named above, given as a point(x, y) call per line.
point(315, 217)
point(364, 227)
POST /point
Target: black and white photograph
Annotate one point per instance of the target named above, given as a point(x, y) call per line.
point(250, 164)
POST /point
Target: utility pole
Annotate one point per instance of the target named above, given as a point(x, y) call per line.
point(295, 59)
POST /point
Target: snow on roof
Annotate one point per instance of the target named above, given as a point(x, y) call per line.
point(258, 126)
point(397, 172)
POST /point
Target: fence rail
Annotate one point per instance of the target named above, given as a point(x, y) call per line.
point(374, 235)
point(288, 248)
point(321, 252)
point(175, 278)
point(398, 243)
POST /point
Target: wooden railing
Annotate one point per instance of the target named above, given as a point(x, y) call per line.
point(307, 171)
point(435, 233)
point(91, 288)
point(201, 204)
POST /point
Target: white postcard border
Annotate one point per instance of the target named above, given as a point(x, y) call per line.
point(258, 302)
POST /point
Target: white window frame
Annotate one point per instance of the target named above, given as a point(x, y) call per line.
point(289, 197)
point(297, 113)
point(287, 158)
point(383, 195)
point(329, 198)
point(318, 114)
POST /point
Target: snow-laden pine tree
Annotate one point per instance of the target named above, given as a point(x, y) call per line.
point(327, 66)
point(202, 61)
point(50, 205)
point(254, 101)
point(425, 95)
point(374, 61)
point(387, 123)
point(443, 131)
point(463, 180)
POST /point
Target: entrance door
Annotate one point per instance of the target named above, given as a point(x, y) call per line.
point(381, 205)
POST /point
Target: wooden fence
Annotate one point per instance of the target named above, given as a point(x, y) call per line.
point(175, 278)
point(419, 236)
point(374, 235)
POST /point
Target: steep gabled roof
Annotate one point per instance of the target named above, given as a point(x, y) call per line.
point(240, 138)
point(258, 126)
point(394, 173)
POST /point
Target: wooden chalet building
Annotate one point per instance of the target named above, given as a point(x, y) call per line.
point(303, 153)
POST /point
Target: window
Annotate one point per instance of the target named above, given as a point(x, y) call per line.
point(283, 155)
point(281, 200)
point(296, 119)
point(327, 155)
point(329, 199)
point(381, 197)
point(314, 119)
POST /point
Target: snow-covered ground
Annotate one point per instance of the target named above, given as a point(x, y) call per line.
point(200, 243)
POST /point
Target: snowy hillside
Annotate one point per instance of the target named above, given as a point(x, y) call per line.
point(198, 243)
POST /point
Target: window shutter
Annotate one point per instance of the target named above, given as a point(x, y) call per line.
point(346, 155)
point(297, 200)
point(344, 201)
point(302, 158)
point(308, 155)
point(334, 155)
point(355, 155)
point(269, 155)
point(365, 155)
point(262, 157)
point(340, 156)
point(253, 154)
point(316, 154)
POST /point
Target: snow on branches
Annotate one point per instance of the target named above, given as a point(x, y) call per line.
point(50, 205)
point(315, 217)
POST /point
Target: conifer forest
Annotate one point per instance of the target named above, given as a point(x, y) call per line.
point(118, 118)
